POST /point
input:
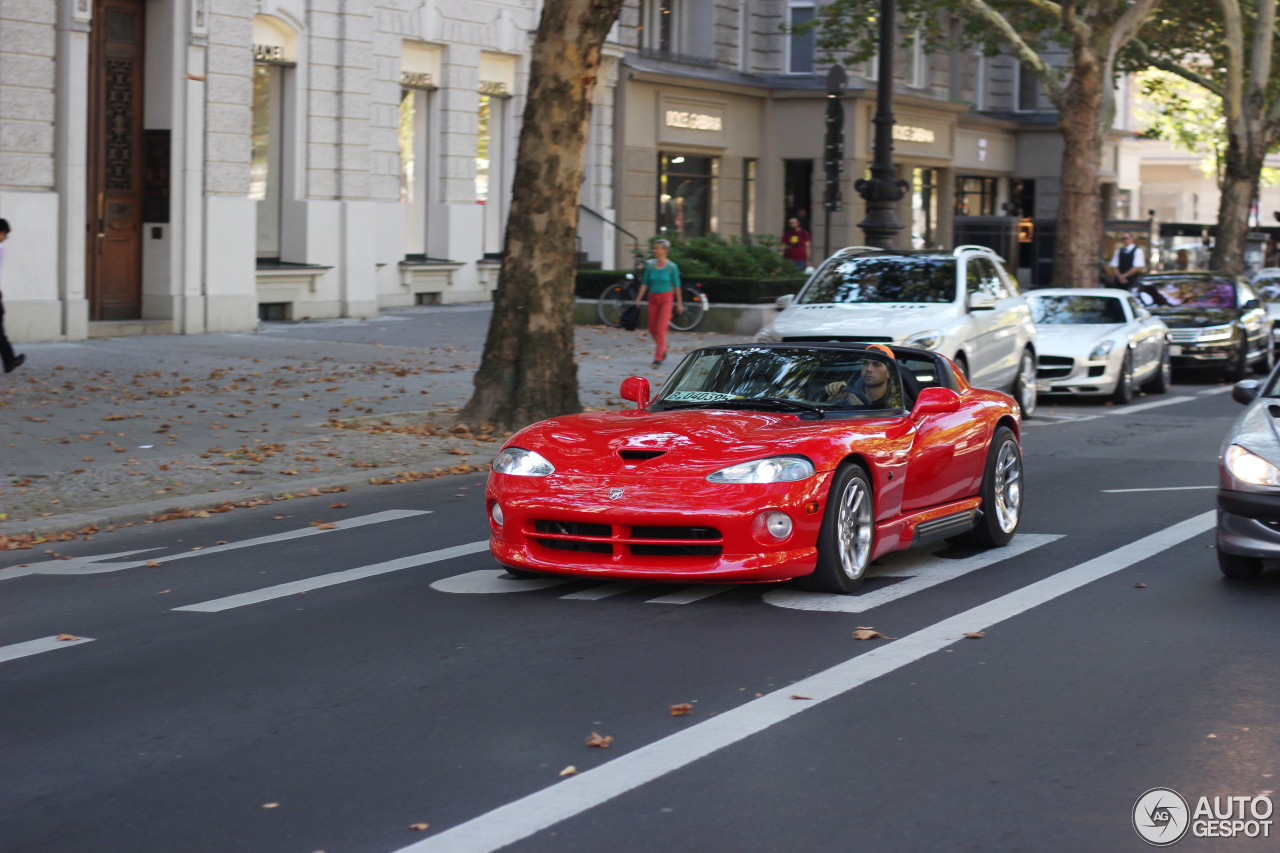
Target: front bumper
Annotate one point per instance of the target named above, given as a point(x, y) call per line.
point(1203, 355)
point(1249, 524)
point(1076, 376)
point(674, 531)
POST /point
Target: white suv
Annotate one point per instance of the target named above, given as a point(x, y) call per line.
point(962, 304)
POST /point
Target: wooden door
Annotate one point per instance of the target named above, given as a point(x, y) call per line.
point(116, 169)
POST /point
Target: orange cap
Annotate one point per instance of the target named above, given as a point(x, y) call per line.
point(884, 349)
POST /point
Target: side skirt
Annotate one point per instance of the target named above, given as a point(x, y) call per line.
point(927, 525)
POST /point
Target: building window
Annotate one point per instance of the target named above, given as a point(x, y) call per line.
point(748, 200)
point(924, 208)
point(686, 195)
point(1028, 89)
point(797, 192)
point(264, 168)
point(489, 170)
point(917, 63)
point(413, 169)
point(800, 46)
point(975, 196)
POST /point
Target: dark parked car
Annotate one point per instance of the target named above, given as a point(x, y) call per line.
point(1214, 320)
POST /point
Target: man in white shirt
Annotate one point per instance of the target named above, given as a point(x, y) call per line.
point(1128, 263)
point(11, 361)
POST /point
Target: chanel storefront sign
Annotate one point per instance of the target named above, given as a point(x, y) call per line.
point(694, 121)
point(691, 122)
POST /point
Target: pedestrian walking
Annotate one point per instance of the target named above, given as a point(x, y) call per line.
point(661, 279)
point(11, 361)
point(797, 245)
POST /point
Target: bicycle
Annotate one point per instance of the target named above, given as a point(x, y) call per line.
point(617, 296)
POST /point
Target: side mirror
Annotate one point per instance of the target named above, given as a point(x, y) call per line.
point(783, 302)
point(1252, 304)
point(636, 389)
point(981, 302)
point(935, 401)
point(1245, 391)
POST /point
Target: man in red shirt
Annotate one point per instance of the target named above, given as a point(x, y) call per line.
point(795, 244)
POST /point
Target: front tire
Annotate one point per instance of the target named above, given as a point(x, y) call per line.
point(1239, 367)
point(1264, 365)
point(1124, 385)
point(1237, 567)
point(846, 539)
point(1001, 494)
point(1159, 384)
point(1024, 384)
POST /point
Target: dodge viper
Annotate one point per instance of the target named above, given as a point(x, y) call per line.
point(762, 462)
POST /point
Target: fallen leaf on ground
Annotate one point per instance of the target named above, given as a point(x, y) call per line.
point(682, 708)
point(419, 826)
point(798, 696)
point(869, 633)
point(569, 771)
point(1140, 585)
point(66, 637)
point(271, 805)
point(152, 564)
point(597, 739)
point(974, 635)
point(336, 505)
point(328, 526)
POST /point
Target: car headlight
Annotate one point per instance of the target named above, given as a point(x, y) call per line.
point(924, 340)
point(775, 469)
point(768, 336)
point(1101, 351)
point(1250, 467)
point(522, 463)
point(1215, 333)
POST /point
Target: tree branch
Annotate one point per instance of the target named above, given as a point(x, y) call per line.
point(1048, 75)
point(1188, 74)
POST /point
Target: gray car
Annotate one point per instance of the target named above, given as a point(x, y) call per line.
point(1249, 481)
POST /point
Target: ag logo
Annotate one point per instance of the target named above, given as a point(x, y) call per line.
point(1161, 816)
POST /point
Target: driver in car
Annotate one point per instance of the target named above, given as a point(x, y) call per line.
point(872, 389)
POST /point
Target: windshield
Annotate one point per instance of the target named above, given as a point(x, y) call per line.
point(1268, 289)
point(1178, 292)
point(897, 278)
point(784, 380)
point(1069, 310)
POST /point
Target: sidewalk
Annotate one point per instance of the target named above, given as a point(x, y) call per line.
point(119, 430)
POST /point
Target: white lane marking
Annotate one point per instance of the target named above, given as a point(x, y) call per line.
point(492, 580)
point(604, 590)
point(920, 570)
point(576, 794)
point(692, 594)
point(1142, 407)
point(93, 565)
point(1220, 390)
point(35, 647)
point(1159, 489)
point(217, 605)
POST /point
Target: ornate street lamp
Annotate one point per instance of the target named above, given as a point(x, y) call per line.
point(882, 191)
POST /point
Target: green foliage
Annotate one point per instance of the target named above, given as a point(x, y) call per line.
point(716, 256)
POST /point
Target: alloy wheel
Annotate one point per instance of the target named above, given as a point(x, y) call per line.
point(854, 529)
point(1008, 486)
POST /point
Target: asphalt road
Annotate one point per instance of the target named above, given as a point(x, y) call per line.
point(307, 688)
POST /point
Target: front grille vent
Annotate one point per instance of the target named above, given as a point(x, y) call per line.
point(676, 542)
point(574, 536)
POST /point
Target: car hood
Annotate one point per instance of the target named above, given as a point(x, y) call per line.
point(1194, 318)
point(895, 319)
point(691, 442)
point(1257, 430)
point(1076, 339)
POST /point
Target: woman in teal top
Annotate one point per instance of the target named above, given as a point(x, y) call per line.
point(661, 279)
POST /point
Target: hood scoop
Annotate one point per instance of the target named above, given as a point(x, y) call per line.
point(1274, 410)
point(636, 455)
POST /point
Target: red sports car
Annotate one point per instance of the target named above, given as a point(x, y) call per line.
point(762, 462)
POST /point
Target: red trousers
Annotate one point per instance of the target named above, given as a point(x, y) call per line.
point(660, 305)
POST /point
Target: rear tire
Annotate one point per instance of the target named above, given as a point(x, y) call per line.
point(1124, 385)
point(847, 537)
point(1024, 384)
point(1001, 494)
point(695, 308)
point(1239, 367)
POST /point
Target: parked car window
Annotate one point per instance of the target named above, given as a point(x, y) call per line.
point(1268, 289)
point(1069, 310)
point(1138, 311)
point(1188, 292)
point(883, 279)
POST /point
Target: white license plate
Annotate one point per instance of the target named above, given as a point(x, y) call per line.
point(1042, 384)
point(1174, 349)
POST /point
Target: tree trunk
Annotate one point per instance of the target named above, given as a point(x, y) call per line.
point(1082, 117)
point(1241, 169)
point(528, 371)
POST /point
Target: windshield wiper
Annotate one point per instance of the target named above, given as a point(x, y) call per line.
point(753, 403)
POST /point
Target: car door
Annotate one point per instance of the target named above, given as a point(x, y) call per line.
point(1013, 325)
point(1147, 335)
point(981, 339)
point(1255, 320)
